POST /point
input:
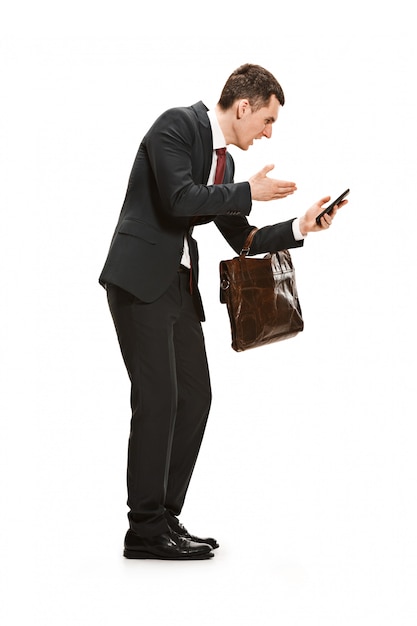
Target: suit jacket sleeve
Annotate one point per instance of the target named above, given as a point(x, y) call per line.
point(268, 238)
point(180, 164)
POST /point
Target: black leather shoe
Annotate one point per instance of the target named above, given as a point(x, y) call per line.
point(178, 528)
point(169, 545)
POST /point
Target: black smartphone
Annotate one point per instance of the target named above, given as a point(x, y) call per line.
point(331, 206)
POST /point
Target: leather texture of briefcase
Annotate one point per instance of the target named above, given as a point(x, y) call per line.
point(261, 297)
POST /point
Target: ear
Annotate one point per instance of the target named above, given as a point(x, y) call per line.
point(242, 108)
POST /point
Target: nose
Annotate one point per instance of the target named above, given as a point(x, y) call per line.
point(267, 132)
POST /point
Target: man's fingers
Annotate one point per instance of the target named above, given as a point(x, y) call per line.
point(264, 171)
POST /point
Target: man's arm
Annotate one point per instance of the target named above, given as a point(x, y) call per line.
point(278, 236)
point(175, 152)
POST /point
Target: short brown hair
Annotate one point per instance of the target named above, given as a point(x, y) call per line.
point(252, 82)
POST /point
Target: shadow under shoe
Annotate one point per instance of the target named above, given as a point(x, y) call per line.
point(169, 546)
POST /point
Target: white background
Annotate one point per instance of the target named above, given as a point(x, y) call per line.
point(307, 473)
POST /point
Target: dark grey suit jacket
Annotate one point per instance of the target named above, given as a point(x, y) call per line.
point(167, 195)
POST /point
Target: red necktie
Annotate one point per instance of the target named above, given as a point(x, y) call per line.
point(220, 166)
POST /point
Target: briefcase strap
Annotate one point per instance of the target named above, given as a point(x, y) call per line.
point(248, 243)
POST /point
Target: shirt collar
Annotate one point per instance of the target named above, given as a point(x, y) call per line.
point(218, 138)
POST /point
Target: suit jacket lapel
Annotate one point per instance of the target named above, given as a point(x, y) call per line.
point(206, 138)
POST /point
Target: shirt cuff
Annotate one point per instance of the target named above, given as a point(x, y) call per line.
point(298, 236)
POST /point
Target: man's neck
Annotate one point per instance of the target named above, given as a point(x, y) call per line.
point(225, 122)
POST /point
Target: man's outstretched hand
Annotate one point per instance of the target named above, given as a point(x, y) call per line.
point(264, 188)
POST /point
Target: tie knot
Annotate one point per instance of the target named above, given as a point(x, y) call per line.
point(220, 151)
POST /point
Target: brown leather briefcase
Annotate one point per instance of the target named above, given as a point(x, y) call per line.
point(261, 297)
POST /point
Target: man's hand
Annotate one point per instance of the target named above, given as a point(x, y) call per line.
point(308, 221)
point(264, 188)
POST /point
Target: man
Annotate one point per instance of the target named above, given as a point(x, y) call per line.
point(151, 277)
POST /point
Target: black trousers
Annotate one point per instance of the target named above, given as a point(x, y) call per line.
point(163, 348)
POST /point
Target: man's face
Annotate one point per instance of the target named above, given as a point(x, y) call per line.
point(253, 125)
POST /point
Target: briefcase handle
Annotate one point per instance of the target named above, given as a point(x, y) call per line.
point(248, 243)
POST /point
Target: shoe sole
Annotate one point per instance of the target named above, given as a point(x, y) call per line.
point(138, 554)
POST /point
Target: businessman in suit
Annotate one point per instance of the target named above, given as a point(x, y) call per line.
point(151, 278)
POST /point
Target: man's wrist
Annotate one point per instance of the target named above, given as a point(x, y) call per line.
point(298, 229)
